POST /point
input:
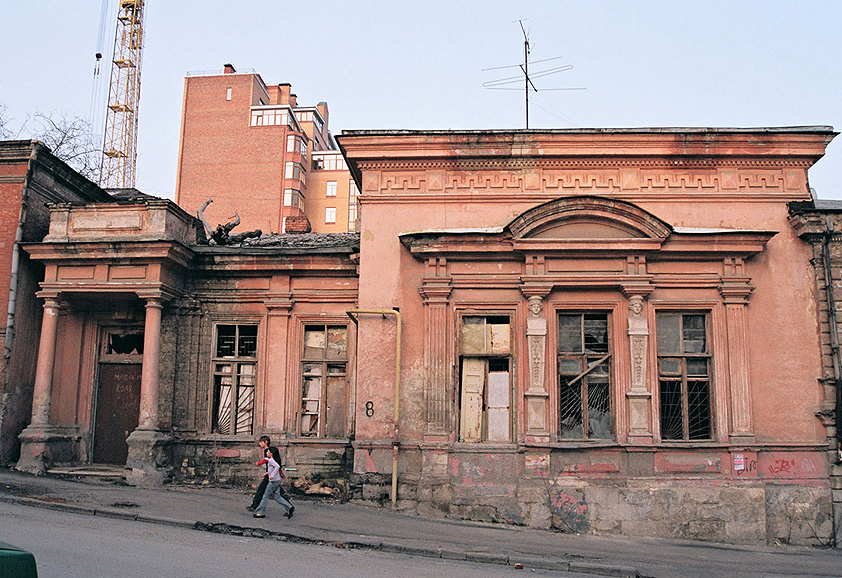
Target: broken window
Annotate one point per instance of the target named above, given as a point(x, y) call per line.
point(234, 374)
point(128, 342)
point(584, 375)
point(485, 413)
point(324, 387)
point(684, 364)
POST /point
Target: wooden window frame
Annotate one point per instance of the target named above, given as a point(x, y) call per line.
point(682, 376)
point(488, 358)
point(321, 403)
point(235, 364)
point(588, 363)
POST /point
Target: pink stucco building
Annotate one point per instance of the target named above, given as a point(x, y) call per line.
point(604, 330)
point(622, 322)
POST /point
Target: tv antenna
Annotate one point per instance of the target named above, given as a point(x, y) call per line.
point(502, 83)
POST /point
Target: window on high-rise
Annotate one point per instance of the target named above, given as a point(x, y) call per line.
point(330, 189)
point(330, 215)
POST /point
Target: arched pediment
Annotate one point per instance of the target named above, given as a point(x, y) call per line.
point(588, 217)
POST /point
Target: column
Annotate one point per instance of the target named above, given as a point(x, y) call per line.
point(149, 462)
point(150, 377)
point(42, 392)
point(41, 443)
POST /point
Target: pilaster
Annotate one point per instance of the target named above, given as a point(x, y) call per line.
point(536, 396)
point(435, 294)
point(735, 290)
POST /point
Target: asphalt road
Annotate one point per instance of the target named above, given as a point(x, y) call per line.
point(72, 545)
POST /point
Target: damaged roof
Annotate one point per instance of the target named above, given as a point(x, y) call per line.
point(292, 243)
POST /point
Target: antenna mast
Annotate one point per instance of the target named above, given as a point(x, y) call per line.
point(525, 68)
point(501, 83)
point(120, 143)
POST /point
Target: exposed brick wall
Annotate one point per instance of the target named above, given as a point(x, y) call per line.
point(50, 180)
point(297, 224)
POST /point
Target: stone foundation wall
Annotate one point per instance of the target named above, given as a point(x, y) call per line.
point(505, 488)
point(233, 462)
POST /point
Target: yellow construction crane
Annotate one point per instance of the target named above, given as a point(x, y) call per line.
point(119, 152)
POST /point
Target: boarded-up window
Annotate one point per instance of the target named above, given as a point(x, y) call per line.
point(485, 400)
point(584, 355)
point(684, 376)
point(234, 375)
point(324, 385)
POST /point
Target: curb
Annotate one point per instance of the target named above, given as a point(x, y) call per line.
point(523, 561)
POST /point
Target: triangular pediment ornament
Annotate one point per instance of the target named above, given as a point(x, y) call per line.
point(588, 217)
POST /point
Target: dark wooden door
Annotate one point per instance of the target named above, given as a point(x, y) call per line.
point(117, 408)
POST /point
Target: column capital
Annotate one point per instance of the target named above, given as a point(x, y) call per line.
point(532, 289)
point(735, 290)
point(435, 290)
point(641, 288)
point(159, 293)
point(280, 302)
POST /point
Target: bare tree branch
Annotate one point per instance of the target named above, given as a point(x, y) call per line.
point(69, 138)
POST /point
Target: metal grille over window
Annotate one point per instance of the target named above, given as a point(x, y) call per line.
point(684, 376)
point(234, 375)
point(584, 353)
point(324, 388)
point(485, 413)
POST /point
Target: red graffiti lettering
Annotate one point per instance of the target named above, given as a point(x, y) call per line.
point(781, 466)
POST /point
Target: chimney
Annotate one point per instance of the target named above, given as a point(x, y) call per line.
point(322, 106)
point(299, 224)
point(228, 69)
point(293, 101)
point(283, 93)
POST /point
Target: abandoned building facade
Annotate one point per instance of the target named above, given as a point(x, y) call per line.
point(619, 331)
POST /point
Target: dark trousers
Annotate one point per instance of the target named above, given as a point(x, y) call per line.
point(258, 494)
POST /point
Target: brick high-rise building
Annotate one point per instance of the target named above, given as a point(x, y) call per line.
point(256, 152)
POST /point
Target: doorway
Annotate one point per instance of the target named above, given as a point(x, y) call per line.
point(118, 394)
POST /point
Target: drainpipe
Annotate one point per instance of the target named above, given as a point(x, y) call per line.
point(395, 438)
point(13, 280)
point(834, 331)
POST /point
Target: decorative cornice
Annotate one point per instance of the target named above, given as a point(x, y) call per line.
point(515, 163)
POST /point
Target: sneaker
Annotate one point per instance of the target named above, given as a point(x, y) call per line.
point(250, 508)
point(291, 511)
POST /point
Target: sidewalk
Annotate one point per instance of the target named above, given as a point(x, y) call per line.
point(350, 525)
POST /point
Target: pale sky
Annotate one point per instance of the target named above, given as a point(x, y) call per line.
point(414, 64)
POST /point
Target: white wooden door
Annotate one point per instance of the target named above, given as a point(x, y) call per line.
point(499, 393)
point(473, 380)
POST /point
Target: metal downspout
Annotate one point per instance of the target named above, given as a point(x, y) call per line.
point(395, 439)
point(13, 279)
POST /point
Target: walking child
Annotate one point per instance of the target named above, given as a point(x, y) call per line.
point(264, 442)
point(273, 488)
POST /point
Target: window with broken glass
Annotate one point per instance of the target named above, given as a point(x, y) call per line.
point(684, 376)
point(584, 375)
point(485, 400)
point(324, 386)
point(234, 373)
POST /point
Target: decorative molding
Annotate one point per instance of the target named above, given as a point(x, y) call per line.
point(562, 177)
